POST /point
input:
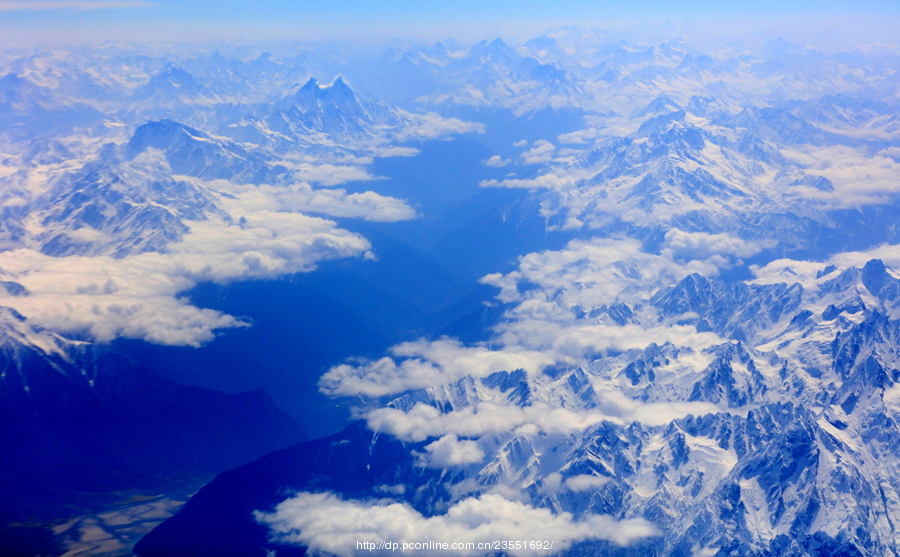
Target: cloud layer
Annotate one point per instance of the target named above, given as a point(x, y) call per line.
point(302, 198)
point(324, 522)
point(422, 421)
point(138, 296)
point(423, 364)
point(249, 232)
point(549, 294)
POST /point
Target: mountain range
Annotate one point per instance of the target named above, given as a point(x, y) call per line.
point(632, 298)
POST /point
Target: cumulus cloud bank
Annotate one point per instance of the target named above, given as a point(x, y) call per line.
point(449, 451)
point(542, 152)
point(702, 245)
point(549, 181)
point(497, 161)
point(422, 421)
point(570, 342)
point(542, 328)
point(137, 296)
point(807, 273)
point(330, 174)
point(424, 364)
point(258, 231)
point(302, 198)
point(431, 126)
point(859, 177)
point(595, 272)
point(324, 522)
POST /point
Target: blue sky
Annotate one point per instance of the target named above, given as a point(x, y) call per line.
point(30, 21)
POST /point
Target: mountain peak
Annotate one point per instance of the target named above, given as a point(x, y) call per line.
point(496, 48)
point(340, 89)
point(172, 70)
point(10, 80)
point(543, 42)
point(157, 133)
point(497, 43)
point(660, 123)
point(875, 276)
point(663, 104)
point(313, 96)
point(171, 82)
point(11, 87)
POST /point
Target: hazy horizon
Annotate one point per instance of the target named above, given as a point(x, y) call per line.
point(826, 25)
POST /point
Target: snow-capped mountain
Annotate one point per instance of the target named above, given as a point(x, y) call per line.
point(121, 201)
point(334, 108)
point(28, 110)
point(131, 197)
point(773, 442)
point(742, 174)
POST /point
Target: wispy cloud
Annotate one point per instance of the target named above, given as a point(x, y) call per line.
point(80, 5)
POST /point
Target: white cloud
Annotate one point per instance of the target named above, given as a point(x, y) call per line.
point(892, 152)
point(859, 178)
point(792, 271)
point(269, 244)
point(424, 364)
point(888, 253)
point(702, 245)
point(594, 272)
point(449, 451)
point(788, 271)
point(138, 296)
point(497, 161)
point(579, 137)
point(324, 522)
point(554, 483)
point(572, 341)
point(393, 151)
point(541, 153)
point(254, 232)
point(330, 174)
point(585, 482)
point(301, 198)
point(548, 286)
point(431, 126)
point(548, 181)
point(542, 328)
point(520, 143)
point(397, 489)
point(422, 421)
